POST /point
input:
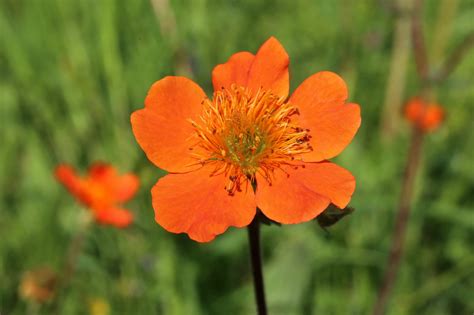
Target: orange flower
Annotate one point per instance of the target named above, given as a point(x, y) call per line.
point(102, 190)
point(250, 134)
point(38, 285)
point(425, 116)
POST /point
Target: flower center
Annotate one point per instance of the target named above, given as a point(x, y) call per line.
point(96, 195)
point(242, 135)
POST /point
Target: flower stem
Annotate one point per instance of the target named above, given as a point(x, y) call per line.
point(256, 259)
point(402, 219)
point(74, 251)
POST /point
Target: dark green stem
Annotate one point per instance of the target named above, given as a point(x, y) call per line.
point(256, 259)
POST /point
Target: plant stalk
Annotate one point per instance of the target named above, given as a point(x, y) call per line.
point(73, 253)
point(256, 260)
point(403, 214)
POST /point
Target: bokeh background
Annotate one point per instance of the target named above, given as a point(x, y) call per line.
point(73, 71)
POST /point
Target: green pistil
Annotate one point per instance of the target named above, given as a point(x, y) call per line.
point(246, 150)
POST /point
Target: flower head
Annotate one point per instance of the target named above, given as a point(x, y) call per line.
point(423, 115)
point(38, 285)
point(248, 146)
point(102, 190)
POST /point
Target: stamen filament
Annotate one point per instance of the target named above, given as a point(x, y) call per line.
point(243, 134)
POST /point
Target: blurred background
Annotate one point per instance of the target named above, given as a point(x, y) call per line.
point(73, 71)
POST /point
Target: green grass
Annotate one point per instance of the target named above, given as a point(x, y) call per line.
point(73, 71)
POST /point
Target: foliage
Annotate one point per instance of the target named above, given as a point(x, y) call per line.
point(73, 71)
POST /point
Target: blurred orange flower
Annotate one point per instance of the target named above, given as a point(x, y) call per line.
point(102, 190)
point(249, 136)
point(38, 285)
point(423, 115)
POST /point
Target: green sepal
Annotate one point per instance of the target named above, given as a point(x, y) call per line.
point(264, 219)
point(332, 215)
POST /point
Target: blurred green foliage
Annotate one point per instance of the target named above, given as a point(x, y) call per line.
point(73, 71)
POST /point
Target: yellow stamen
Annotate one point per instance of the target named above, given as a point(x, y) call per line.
point(241, 134)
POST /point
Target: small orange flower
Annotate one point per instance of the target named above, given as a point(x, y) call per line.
point(249, 136)
point(102, 190)
point(38, 285)
point(425, 116)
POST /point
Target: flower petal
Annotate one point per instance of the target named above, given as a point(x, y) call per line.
point(234, 71)
point(330, 180)
point(66, 175)
point(102, 172)
point(414, 109)
point(433, 117)
point(114, 216)
point(120, 188)
point(305, 193)
point(197, 204)
point(269, 70)
point(162, 128)
point(288, 200)
point(425, 116)
point(126, 186)
point(320, 100)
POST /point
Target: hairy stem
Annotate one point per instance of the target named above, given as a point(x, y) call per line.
point(256, 259)
point(402, 219)
point(74, 251)
point(419, 47)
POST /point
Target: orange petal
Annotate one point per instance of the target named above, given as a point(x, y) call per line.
point(102, 172)
point(114, 216)
point(234, 71)
point(305, 193)
point(270, 69)
point(66, 175)
point(197, 204)
point(414, 109)
point(162, 128)
point(330, 180)
point(433, 117)
point(425, 116)
point(320, 100)
point(119, 188)
point(288, 200)
point(126, 186)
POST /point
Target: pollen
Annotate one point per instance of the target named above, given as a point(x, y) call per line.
point(242, 134)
